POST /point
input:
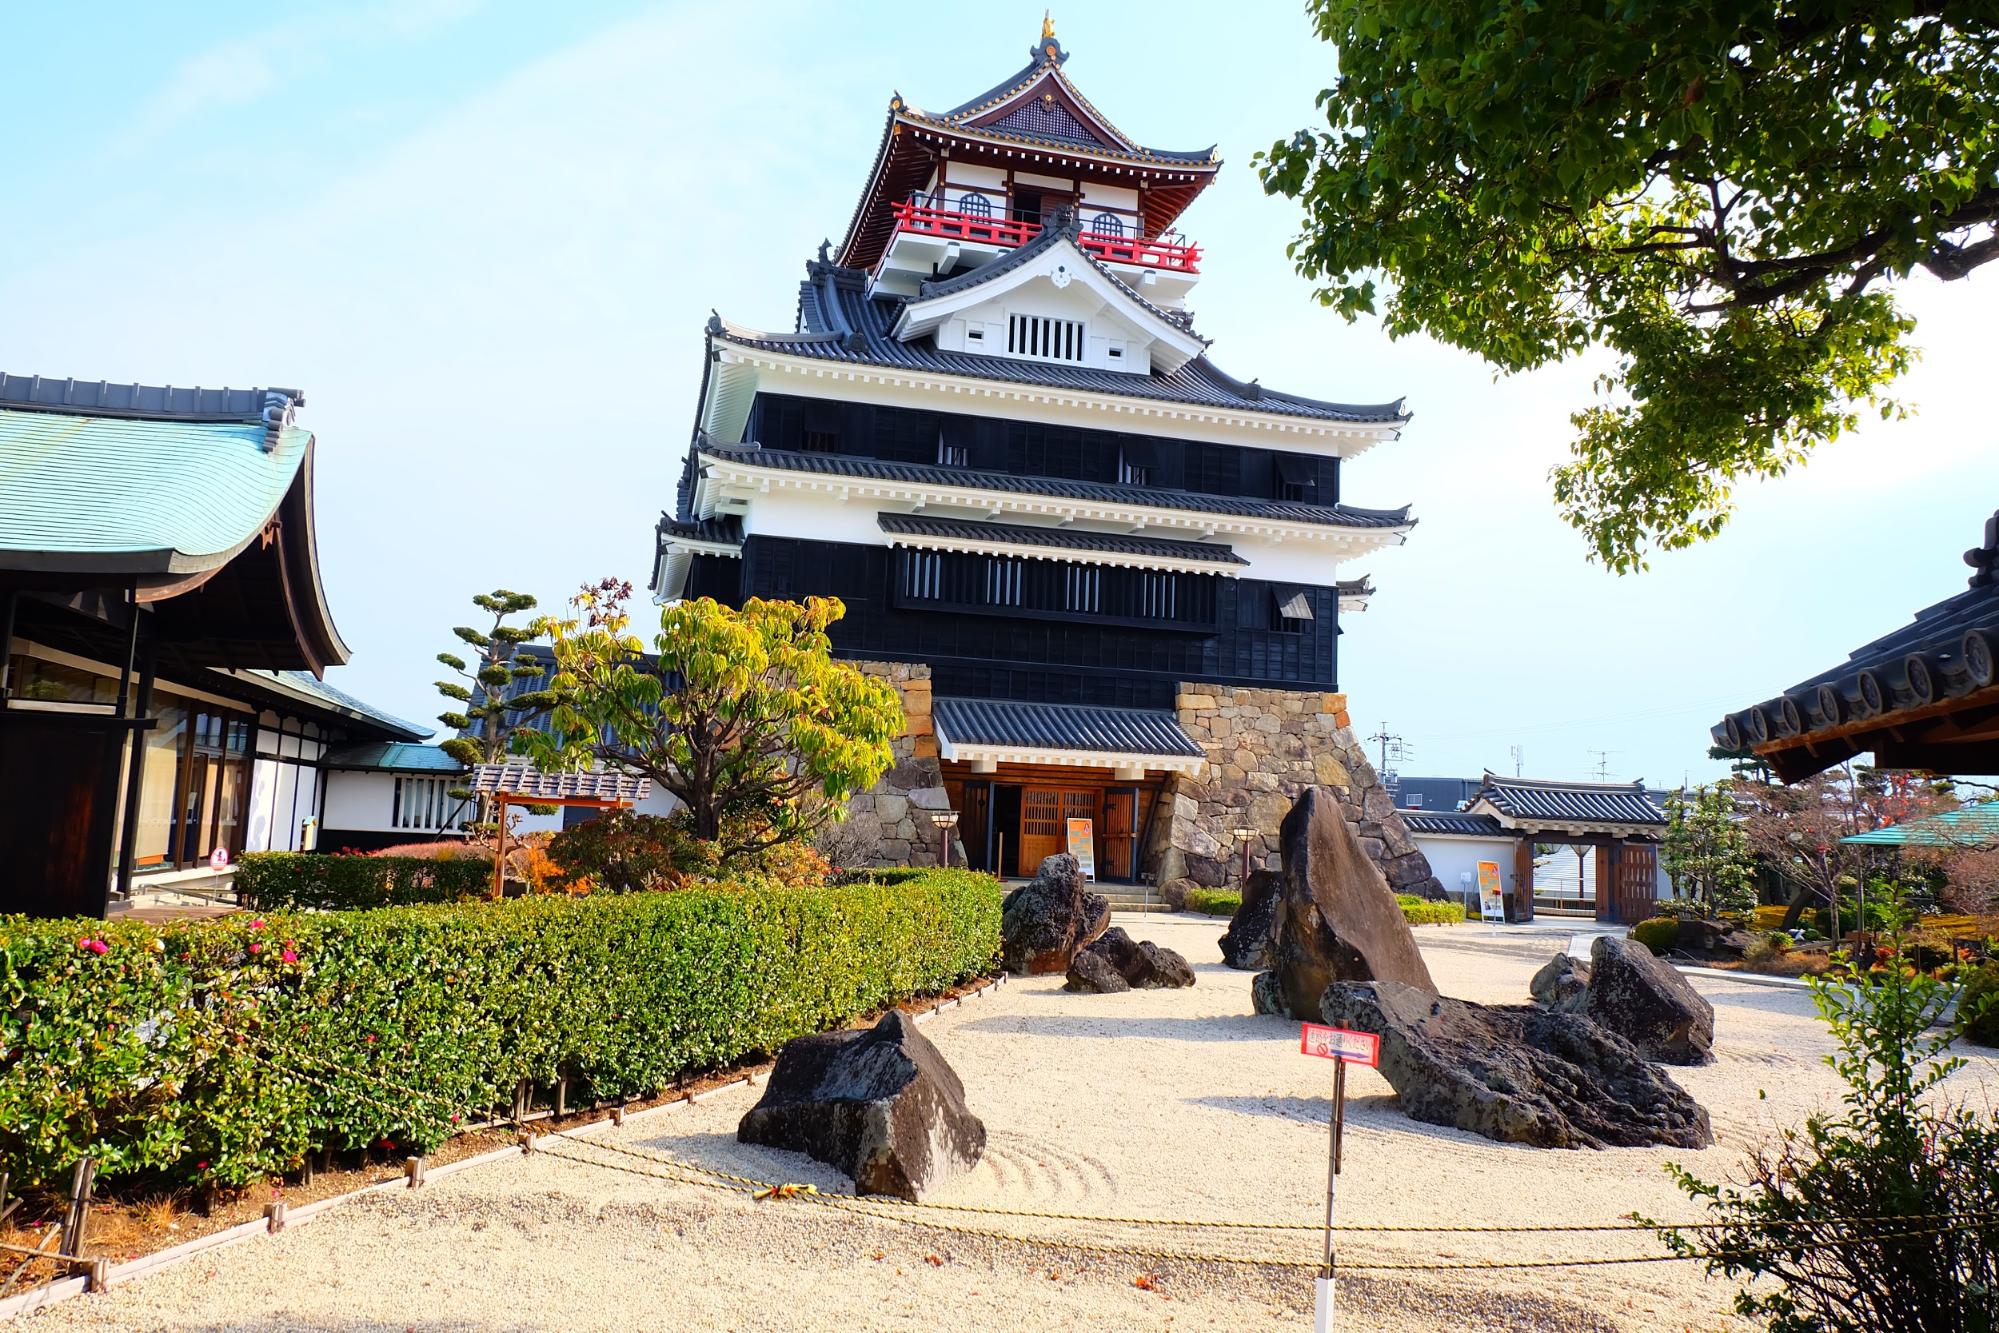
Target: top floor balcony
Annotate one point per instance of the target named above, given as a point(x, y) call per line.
point(932, 239)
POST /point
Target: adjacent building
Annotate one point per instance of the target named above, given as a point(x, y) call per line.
point(1106, 575)
point(163, 637)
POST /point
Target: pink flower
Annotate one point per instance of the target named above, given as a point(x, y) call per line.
point(257, 924)
point(256, 948)
point(99, 947)
point(201, 1165)
point(371, 1039)
point(289, 955)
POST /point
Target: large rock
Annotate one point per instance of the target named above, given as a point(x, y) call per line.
point(1642, 999)
point(1560, 983)
point(1092, 973)
point(1140, 964)
point(880, 1105)
point(1044, 924)
point(1250, 941)
point(1517, 1073)
point(1337, 919)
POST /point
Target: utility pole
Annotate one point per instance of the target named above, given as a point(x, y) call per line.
point(1603, 763)
point(1394, 749)
point(1516, 759)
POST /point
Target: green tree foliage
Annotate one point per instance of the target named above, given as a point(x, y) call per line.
point(762, 734)
point(486, 719)
point(1900, 1148)
point(1723, 195)
point(1707, 852)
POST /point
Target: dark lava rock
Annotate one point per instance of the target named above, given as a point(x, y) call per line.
point(880, 1105)
point(1718, 941)
point(1517, 1073)
point(1142, 964)
point(1560, 983)
point(1251, 939)
point(1337, 919)
point(1642, 999)
point(1045, 923)
point(1093, 972)
point(1266, 996)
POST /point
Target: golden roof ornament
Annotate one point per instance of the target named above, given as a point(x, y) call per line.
point(1047, 25)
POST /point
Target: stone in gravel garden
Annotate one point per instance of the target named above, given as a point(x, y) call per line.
point(1140, 964)
point(1337, 919)
point(1560, 983)
point(880, 1104)
point(1045, 923)
point(1644, 1000)
point(1093, 973)
point(1517, 1073)
point(1249, 941)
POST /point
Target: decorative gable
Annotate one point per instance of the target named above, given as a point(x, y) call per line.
point(1045, 117)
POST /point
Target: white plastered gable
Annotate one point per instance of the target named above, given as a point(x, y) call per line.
point(1058, 306)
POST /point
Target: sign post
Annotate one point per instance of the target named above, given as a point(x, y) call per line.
point(1491, 895)
point(1343, 1047)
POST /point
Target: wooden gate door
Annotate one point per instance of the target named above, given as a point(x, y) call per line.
point(1040, 826)
point(1637, 886)
point(1118, 838)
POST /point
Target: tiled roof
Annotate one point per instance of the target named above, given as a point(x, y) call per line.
point(1970, 826)
point(1061, 538)
point(1524, 799)
point(843, 465)
point(517, 778)
point(1032, 726)
point(140, 478)
point(839, 321)
point(394, 757)
point(1449, 822)
point(727, 530)
point(304, 685)
point(1067, 228)
point(1948, 651)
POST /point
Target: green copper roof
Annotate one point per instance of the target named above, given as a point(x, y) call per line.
point(394, 757)
point(137, 494)
point(1971, 826)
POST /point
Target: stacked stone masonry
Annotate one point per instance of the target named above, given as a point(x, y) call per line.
point(1263, 748)
point(888, 825)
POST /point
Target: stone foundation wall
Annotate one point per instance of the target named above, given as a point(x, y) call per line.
point(1263, 748)
point(886, 825)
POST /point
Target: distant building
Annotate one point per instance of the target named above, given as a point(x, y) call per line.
point(163, 632)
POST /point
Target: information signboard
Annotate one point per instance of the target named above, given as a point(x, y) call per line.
point(1356, 1048)
point(1491, 894)
point(1083, 845)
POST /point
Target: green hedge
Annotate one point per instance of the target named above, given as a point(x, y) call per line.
point(283, 881)
point(1214, 902)
point(1429, 911)
point(1660, 934)
point(222, 1051)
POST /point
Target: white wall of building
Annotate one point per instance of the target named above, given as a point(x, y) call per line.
point(285, 785)
point(1452, 859)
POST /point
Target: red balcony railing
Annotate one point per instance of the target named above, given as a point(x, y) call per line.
point(1171, 255)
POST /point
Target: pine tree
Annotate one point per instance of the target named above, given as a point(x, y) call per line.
point(489, 717)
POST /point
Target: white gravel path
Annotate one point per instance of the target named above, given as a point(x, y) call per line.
point(1164, 1103)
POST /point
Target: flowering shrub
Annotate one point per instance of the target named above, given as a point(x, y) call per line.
point(224, 1050)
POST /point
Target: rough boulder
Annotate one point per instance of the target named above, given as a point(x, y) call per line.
point(1250, 941)
point(1517, 1073)
point(1336, 918)
point(1644, 1000)
point(1134, 964)
point(1044, 924)
point(880, 1105)
point(1560, 983)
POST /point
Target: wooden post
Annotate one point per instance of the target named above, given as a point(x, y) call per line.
point(77, 1219)
point(561, 1095)
point(1523, 879)
point(618, 1115)
point(274, 1216)
point(413, 1171)
point(521, 1100)
point(500, 847)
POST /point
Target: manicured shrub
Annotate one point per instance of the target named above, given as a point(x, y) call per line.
point(1978, 1004)
point(1659, 934)
point(1429, 911)
point(1213, 902)
point(622, 852)
point(284, 881)
point(222, 1051)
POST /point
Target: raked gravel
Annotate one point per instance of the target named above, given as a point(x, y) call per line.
point(1157, 1103)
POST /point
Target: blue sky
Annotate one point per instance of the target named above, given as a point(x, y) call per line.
point(483, 238)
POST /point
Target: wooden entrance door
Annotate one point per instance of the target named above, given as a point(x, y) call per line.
point(1043, 811)
point(1634, 881)
point(1117, 837)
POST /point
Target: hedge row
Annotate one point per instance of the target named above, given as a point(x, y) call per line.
point(1430, 911)
point(223, 1051)
point(1213, 902)
point(284, 881)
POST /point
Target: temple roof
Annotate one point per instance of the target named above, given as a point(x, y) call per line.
point(1007, 724)
point(1147, 497)
point(1527, 802)
point(839, 321)
point(1925, 696)
point(1061, 540)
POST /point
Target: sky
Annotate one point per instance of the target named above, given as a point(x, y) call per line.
point(483, 239)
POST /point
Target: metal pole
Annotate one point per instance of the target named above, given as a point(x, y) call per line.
point(1322, 1288)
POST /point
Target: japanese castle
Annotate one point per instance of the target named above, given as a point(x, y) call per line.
point(1104, 573)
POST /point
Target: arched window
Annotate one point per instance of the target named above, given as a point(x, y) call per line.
point(1107, 224)
point(975, 206)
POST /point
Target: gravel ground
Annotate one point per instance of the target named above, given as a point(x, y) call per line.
point(1159, 1103)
